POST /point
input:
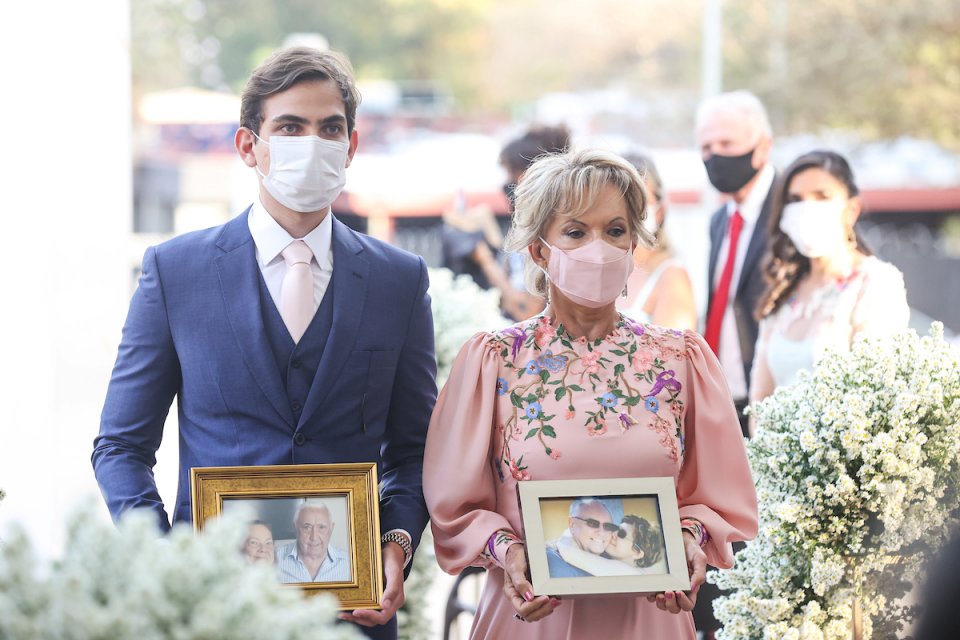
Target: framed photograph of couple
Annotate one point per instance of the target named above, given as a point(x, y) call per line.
point(318, 525)
point(589, 537)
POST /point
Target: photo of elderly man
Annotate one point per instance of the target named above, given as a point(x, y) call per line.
point(311, 557)
point(591, 526)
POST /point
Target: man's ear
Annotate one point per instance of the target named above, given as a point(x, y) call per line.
point(761, 153)
point(354, 141)
point(243, 141)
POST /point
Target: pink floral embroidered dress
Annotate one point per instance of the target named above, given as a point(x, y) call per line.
point(531, 402)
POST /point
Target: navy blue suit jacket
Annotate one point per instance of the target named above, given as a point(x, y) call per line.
point(195, 331)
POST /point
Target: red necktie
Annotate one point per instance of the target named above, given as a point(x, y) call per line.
point(722, 293)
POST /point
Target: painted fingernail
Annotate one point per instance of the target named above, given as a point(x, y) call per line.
point(669, 594)
point(528, 596)
point(695, 587)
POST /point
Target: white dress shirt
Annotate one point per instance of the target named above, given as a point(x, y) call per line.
point(271, 239)
point(730, 356)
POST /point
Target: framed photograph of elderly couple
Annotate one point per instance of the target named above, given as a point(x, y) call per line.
point(588, 537)
point(318, 525)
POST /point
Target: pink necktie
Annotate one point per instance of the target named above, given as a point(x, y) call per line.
point(296, 291)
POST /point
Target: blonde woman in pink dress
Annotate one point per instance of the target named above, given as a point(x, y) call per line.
point(581, 391)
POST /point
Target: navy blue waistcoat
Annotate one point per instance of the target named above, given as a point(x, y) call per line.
point(297, 363)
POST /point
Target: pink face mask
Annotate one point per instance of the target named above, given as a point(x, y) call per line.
point(592, 275)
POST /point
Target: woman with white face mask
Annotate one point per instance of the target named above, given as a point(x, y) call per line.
point(659, 289)
point(580, 391)
point(825, 289)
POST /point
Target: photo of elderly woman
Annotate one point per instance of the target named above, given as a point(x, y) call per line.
point(604, 537)
point(258, 546)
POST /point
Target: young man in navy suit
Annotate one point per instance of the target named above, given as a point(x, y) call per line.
point(285, 336)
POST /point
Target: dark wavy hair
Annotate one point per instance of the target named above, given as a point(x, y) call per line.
point(784, 266)
point(647, 539)
point(291, 66)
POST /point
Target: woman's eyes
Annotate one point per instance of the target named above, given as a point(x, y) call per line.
point(576, 234)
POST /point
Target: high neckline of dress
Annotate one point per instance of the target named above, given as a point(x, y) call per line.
point(564, 334)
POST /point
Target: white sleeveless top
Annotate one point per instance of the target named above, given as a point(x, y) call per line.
point(635, 310)
point(872, 301)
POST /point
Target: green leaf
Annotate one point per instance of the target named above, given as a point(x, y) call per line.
point(617, 352)
point(549, 432)
point(617, 370)
point(544, 375)
point(632, 401)
point(516, 400)
point(530, 398)
point(503, 354)
point(532, 433)
point(575, 387)
point(559, 392)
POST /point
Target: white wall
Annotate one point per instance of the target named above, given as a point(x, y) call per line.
point(64, 249)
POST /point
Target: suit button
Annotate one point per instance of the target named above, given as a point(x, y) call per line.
point(296, 406)
point(295, 364)
point(299, 439)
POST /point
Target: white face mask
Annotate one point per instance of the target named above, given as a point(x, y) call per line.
point(816, 227)
point(307, 173)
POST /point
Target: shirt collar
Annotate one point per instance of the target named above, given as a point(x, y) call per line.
point(270, 238)
point(750, 208)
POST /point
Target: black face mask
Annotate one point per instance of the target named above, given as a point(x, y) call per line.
point(730, 173)
point(508, 190)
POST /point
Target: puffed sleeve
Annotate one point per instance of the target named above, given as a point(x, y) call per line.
point(881, 308)
point(458, 480)
point(715, 485)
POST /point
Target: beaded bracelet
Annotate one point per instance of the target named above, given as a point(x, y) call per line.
point(696, 529)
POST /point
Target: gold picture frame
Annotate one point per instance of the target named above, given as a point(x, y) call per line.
point(570, 555)
point(287, 496)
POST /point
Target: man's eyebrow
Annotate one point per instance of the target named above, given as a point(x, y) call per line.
point(289, 117)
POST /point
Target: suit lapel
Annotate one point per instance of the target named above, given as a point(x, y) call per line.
point(349, 281)
point(718, 224)
point(240, 286)
point(757, 246)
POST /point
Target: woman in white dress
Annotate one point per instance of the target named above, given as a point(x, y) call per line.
point(825, 289)
point(659, 289)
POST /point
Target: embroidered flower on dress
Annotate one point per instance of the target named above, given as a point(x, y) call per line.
point(533, 367)
point(591, 362)
point(518, 471)
point(544, 333)
point(627, 421)
point(597, 429)
point(518, 335)
point(651, 404)
point(642, 360)
point(608, 400)
point(533, 410)
point(570, 414)
point(552, 363)
point(502, 386)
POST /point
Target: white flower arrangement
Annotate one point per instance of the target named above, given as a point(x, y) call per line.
point(132, 583)
point(460, 309)
point(858, 482)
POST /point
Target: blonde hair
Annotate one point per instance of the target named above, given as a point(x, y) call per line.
point(567, 184)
